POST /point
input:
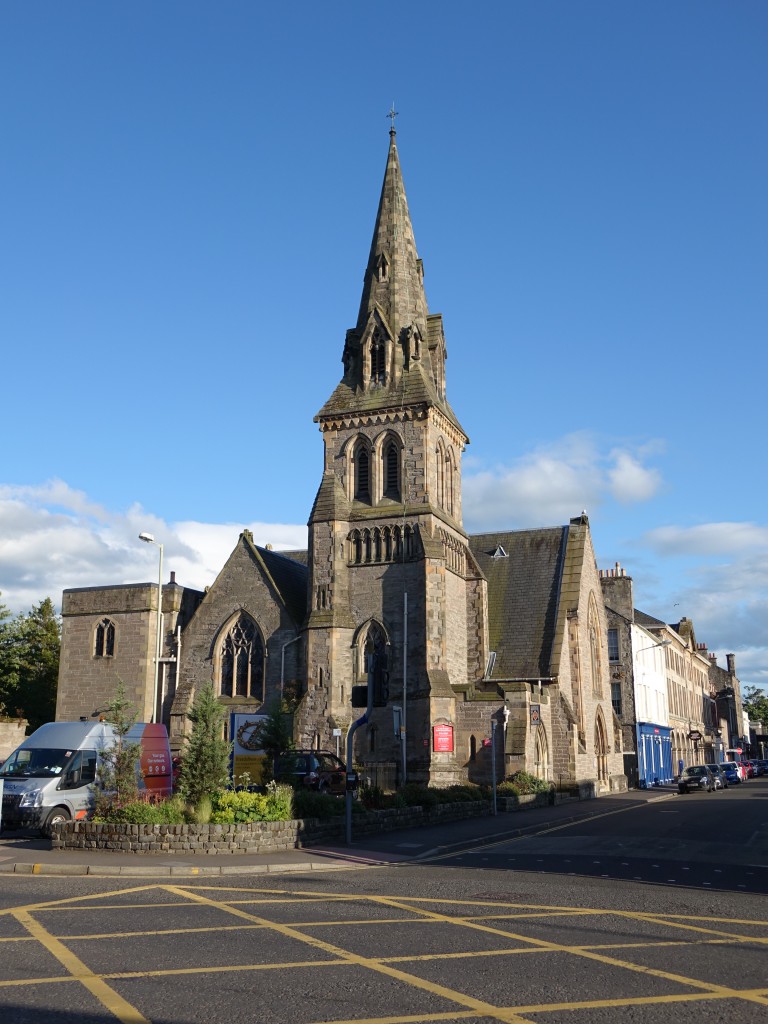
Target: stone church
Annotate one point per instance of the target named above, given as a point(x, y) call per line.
point(497, 638)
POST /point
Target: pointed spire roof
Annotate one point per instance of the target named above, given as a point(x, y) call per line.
point(393, 307)
point(394, 275)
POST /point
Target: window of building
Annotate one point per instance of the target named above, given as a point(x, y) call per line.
point(362, 473)
point(613, 645)
point(241, 661)
point(378, 358)
point(391, 458)
point(104, 639)
point(616, 698)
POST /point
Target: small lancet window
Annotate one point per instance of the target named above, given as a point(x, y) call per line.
point(105, 639)
point(382, 267)
point(378, 358)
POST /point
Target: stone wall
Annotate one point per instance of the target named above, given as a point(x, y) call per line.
point(254, 837)
point(11, 736)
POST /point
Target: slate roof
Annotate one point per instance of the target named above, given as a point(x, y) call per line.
point(648, 621)
point(289, 577)
point(523, 592)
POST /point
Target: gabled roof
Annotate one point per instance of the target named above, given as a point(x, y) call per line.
point(523, 593)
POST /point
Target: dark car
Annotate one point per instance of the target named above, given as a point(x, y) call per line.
point(731, 772)
point(696, 777)
point(315, 769)
point(721, 782)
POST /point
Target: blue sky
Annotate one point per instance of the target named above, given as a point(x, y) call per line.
point(190, 190)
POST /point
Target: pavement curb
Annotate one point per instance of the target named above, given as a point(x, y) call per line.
point(176, 870)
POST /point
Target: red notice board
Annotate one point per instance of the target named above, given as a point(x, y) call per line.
point(442, 739)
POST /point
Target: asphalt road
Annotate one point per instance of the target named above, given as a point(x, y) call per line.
point(454, 936)
point(712, 840)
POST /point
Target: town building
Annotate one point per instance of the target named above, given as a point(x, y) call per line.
point(467, 640)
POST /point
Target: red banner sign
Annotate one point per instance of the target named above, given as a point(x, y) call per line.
point(442, 739)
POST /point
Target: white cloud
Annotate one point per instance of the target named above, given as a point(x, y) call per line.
point(630, 481)
point(555, 482)
point(52, 538)
point(708, 539)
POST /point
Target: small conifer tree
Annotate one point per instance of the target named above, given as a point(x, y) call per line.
point(117, 783)
point(205, 758)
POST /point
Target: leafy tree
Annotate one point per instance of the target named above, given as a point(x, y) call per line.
point(30, 646)
point(205, 757)
point(117, 783)
point(273, 735)
point(755, 703)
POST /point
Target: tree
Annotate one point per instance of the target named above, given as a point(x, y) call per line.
point(205, 757)
point(116, 782)
point(30, 646)
point(273, 735)
point(755, 702)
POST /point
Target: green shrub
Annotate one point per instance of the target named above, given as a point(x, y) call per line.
point(522, 784)
point(308, 803)
point(233, 807)
point(141, 812)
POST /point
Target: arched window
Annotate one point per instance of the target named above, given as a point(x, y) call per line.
point(540, 753)
point(595, 663)
point(362, 472)
point(601, 748)
point(241, 660)
point(375, 659)
point(378, 358)
point(449, 483)
point(104, 639)
point(472, 748)
point(391, 468)
point(440, 466)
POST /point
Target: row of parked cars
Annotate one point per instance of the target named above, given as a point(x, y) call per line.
point(711, 777)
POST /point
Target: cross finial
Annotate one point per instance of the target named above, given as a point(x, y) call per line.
point(392, 115)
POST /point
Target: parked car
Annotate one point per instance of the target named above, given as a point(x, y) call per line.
point(731, 772)
point(696, 777)
point(315, 769)
point(720, 780)
point(763, 766)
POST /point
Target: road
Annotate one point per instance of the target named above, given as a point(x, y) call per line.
point(457, 935)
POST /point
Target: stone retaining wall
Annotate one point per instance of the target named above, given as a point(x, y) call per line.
point(254, 837)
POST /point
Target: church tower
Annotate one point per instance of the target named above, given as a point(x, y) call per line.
point(390, 571)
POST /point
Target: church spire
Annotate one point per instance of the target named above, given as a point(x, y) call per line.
point(394, 277)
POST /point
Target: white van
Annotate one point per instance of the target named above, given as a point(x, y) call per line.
point(50, 778)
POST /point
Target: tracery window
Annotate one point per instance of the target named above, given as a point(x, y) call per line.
point(241, 660)
point(104, 639)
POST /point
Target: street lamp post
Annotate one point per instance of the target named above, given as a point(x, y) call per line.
point(148, 538)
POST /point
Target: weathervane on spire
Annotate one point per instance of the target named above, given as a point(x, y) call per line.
point(392, 115)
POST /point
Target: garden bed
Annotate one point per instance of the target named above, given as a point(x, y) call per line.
point(249, 837)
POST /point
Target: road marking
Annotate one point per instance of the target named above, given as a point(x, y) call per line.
point(478, 1005)
point(107, 996)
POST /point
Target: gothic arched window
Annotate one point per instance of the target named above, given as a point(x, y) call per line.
point(362, 472)
point(241, 660)
point(391, 460)
point(104, 639)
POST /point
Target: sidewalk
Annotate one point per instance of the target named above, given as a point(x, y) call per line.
point(27, 854)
